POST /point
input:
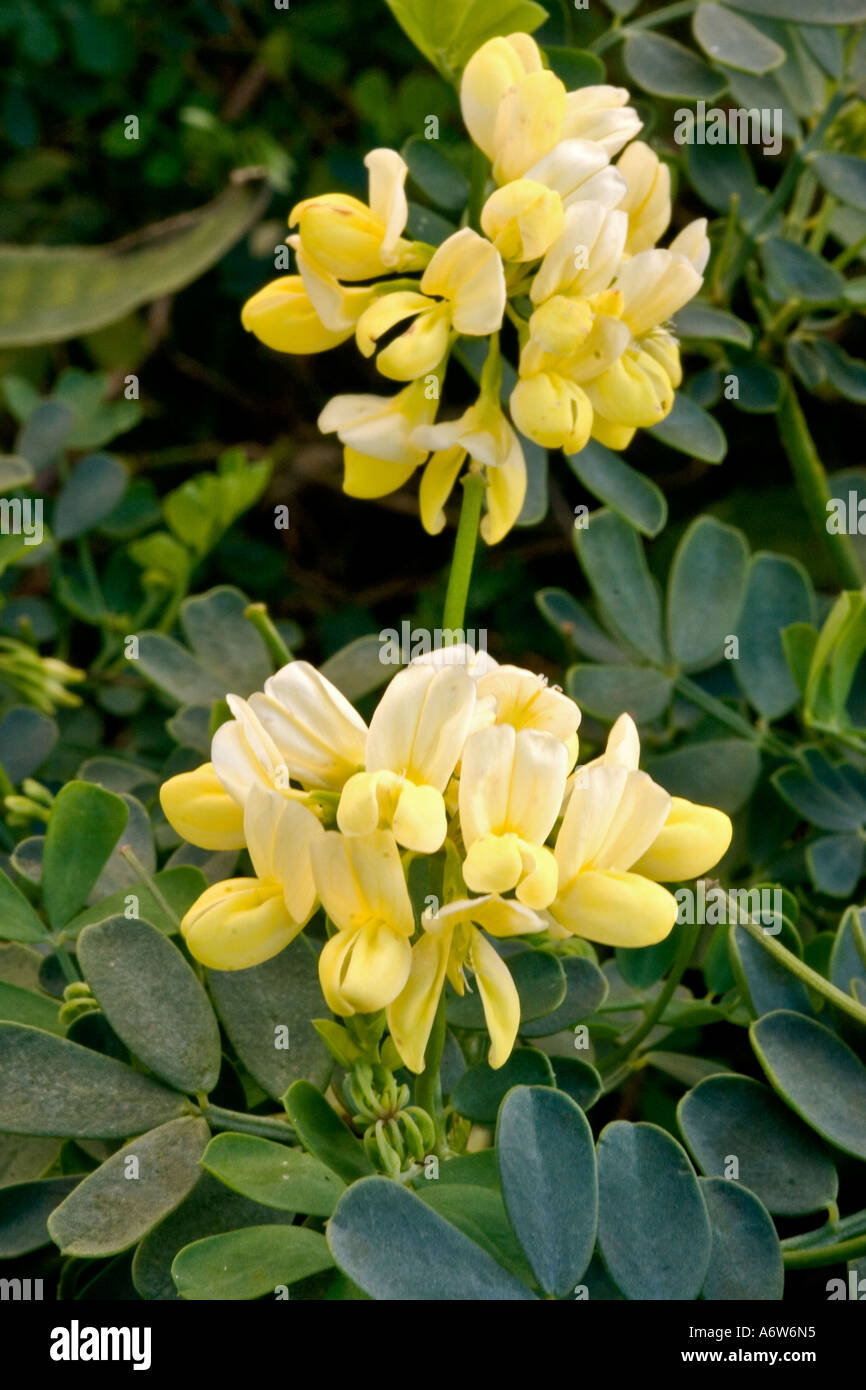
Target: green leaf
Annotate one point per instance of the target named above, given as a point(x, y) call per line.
point(778, 594)
point(576, 67)
point(667, 69)
point(323, 1133)
point(699, 320)
point(116, 1205)
point(634, 497)
point(249, 1263)
point(844, 176)
point(718, 772)
point(585, 988)
point(83, 828)
point(706, 585)
point(692, 431)
point(202, 509)
point(210, 1209)
point(577, 1079)
point(53, 293)
point(479, 1212)
point(826, 800)
point(49, 1085)
point(793, 272)
point(273, 1174)
point(733, 41)
point(846, 373)
point(688, 1070)
point(449, 32)
point(644, 966)
point(602, 690)
point(778, 1158)
point(719, 172)
point(480, 1090)
point(169, 666)
point(764, 982)
point(24, 1210)
point(23, 1158)
point(435, 175)
point(424, 1258)
point(614, 563)
point(179, 887)
point(153, 1001)
point(18, 920)
point(760, 389)
point(224, 641)
point(540, 982)
point(357, 669)
point(643, 1177)
point(848, 958)
point(254, 1004)
point(835, 863)
point(546, 1157)
point(573, 623)
point(746, 1258)
point(92, 490)
point(803, 11)
point(817, 1074)
point(19, 1005)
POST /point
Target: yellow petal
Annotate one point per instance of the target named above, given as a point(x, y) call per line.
point(612, 435)
point(467, 270)
point(364, 970)
point(421, 724)
point(505, 492)
point(491, 70)
point(537, 889)
point(648, 195)
point(420, 823)
point(499, 998)
point(238, 923)
point(319, 736)
point(411, 1015)
point(528, 124)
point(201, 810)
point(635, 391)
point(282, 317)
point(418, 350)
point(692, 840)
point(493, 864)
point(552, 411)
point(437, 481)
point(384, 313)
point(366, 476)
point(616, 909)
point(522, 219)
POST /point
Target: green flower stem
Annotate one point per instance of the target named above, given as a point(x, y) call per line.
point(620, 1054)
point(263, 1126)
point(619, 31)
point(258, 615)
point(454, 613)
point(813, 487)
point(428, 1087)
point(138, 868)
point(825, 1254)
point(829, 1244)
point(845, 1002)
point(725, 715)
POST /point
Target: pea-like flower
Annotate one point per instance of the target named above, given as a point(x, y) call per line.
point(467, 763)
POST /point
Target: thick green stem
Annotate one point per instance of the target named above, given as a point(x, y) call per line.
point(828, 1245)
point(457, 593)
point(428, 1087)
point(845, 1002)
point(621, 1054)
point(258, 615)
point(825, 1254)
point(263, 1126)
point(813, 487)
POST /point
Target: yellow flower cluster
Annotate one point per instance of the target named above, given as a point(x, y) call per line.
point(569, 238)
point(465, 761)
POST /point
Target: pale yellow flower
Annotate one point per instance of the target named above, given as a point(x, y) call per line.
point(452, 943)
point(242, 922)
point(282, 316)
point(376, 432)
point(483, 434)
point(416, 737)
point(361, 884)
point(511, 789)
